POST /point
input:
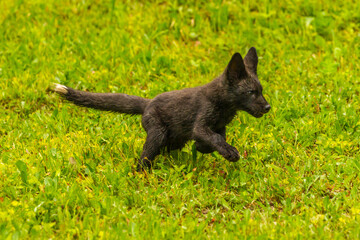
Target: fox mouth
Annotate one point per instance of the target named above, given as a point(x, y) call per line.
point(258, 115)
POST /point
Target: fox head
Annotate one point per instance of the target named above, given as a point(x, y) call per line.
point(244, 86)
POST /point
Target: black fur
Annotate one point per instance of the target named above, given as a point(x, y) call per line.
point(115, 102)
point(201, 113)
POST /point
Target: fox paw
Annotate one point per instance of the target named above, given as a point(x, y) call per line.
point(143, 165)
point(230, 153)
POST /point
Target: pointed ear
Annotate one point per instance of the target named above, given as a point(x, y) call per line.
point(236, 68)
point(251, 60)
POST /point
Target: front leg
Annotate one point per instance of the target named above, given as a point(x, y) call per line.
point(203, 147)
point(215, 141)
point(222, 132)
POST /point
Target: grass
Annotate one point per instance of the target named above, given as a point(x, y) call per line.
point(68, 172)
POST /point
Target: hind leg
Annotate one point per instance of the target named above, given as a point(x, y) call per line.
point(155, 141)
point(152, 147)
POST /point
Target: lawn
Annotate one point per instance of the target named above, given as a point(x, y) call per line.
point(69, 172)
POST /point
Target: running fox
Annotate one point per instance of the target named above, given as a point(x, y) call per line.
point(200, 113)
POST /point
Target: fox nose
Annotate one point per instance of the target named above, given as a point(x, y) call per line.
point(267, 108)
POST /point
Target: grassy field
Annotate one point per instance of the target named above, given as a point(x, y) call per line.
point(68, 172)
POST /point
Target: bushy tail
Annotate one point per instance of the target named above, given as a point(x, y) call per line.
point(115, 102)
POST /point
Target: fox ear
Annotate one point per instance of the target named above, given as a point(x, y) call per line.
point(236, 68)
point(251, 60)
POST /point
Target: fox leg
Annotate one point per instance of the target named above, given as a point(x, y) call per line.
point(204, 147)
point(216, 141)
point(155, 142)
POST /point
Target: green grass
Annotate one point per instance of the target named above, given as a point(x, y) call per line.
point(68, 172)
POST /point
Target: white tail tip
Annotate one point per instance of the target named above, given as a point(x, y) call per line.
point(60, 89)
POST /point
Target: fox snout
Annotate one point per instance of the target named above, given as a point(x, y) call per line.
point(267, 108)
point(259, 108)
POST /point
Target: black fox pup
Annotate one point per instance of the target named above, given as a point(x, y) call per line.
point(201, 113)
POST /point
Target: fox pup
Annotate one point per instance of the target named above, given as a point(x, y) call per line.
point(200, 113)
